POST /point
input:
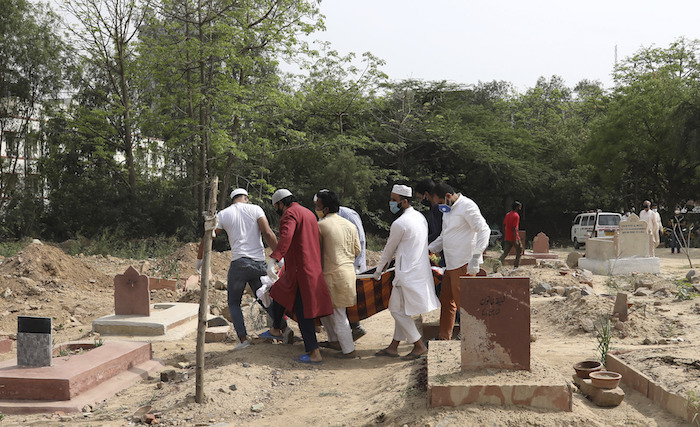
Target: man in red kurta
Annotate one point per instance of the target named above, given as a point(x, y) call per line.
point(301, 288)
point(511, 225)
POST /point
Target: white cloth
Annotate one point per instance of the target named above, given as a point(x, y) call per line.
point(263, 292)
point(465, 233)
point(338, 329)
point(404, 327)
point(240, 221)
point(408, 240)
point(352, 216)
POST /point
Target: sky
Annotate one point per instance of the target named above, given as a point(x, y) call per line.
point(469, 41)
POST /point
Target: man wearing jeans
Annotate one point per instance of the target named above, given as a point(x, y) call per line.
point(511, 226)
point(243, 223)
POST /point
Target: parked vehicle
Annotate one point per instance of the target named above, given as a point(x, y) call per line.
point(605, 223)
point(495, 236)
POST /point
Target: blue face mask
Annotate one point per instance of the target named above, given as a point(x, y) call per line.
point(394, 207)
point(444, 208)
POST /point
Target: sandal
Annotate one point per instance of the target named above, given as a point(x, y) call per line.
point(412, 356)
point(385, 353)
point(304, 358)
point(267, 335)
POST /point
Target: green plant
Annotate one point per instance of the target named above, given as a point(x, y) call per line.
point(98, 342)
point(612, 284)
point(694, 405)
point(63, 351)
point(603, 334)
point(685, 291)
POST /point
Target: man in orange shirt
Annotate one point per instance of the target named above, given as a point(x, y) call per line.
point(511, 224)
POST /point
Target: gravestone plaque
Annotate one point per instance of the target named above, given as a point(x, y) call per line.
point(621, 308)
point(495, 322)
point(131, 295)
point(34, 341)
point(540, 244)
point(633, 238)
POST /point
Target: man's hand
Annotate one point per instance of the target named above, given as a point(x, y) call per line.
point(198, 266)
point(271, 264)
point(377, 275)
point(473, 266)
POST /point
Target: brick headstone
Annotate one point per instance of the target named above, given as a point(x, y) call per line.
point(621, 307)
point(540, 244)
point(495, 322)
point(34, 341)
point(633, 238)
point(131, 295)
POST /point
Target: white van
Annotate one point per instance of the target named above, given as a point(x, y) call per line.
point(608, 223)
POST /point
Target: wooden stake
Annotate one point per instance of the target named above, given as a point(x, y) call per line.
point(209, 226)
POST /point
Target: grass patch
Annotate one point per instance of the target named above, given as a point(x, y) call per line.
point(10, 248)
point(115, 244)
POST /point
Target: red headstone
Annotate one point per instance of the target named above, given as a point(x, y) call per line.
point(131, 294)
point(495, 322)
point(540, 244)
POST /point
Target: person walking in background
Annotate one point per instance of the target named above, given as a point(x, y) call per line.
point(301, 287)
point(677, 225)
point(511, 226)
point(340, 245)
point(413, 291)
point(650, 217)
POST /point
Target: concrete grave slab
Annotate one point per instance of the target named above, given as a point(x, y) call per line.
point(524, 260)
point(620, 266)
point(73, 381)
point(448, 385)
point(495, 321)
point(131, 295)
point(674, 403)
point(164, 317)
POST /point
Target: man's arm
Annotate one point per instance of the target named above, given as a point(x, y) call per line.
point(267, 233)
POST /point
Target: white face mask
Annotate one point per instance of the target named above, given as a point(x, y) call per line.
point(655, 210)
point(677, 212)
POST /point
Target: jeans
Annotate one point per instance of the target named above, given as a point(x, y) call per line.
point(507, 245)
point(244, 271)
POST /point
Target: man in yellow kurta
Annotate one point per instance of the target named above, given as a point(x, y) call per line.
point(340, 245)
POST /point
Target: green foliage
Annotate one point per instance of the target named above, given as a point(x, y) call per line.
point(685, 290)
point(115, 243)
point(603, 334)
point(9, 248)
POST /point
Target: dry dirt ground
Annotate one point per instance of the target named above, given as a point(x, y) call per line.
point(262, 385)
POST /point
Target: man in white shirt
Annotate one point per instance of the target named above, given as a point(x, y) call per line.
point(464, 238)
point(414, 289)
point(243, 223)
point(653, 220)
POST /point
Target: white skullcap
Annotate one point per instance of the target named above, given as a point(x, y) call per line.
point(319, 191)
point(238, 191)
point(402, 190)
point(280, 194)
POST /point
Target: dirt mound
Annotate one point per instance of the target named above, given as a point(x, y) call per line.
point(583, 314)
point(43, 265)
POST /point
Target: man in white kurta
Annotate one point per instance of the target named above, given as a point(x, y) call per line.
point(653, 221)
point(340, 245)
point(414, 289)
point(464, 237)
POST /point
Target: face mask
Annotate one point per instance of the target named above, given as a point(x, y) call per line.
point(655, 210)
point(426, 202)
point(320, 214)
point(394, 207)
point(444, 208)
point(677, 212)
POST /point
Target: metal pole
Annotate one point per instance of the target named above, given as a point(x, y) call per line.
point(209, 226)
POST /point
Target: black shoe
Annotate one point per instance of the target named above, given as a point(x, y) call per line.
point(358, 333)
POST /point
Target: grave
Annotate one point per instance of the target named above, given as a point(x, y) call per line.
point(492, 363)
point(135, 316)
point(70, 382)
point(630, 250)
point(540, 248)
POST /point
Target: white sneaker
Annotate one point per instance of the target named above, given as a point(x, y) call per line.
point(244, 344)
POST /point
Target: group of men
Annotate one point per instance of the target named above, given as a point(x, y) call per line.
point(315, 260)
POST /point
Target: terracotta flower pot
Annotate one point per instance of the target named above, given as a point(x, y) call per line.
point(583, 369)
point(605, 379)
